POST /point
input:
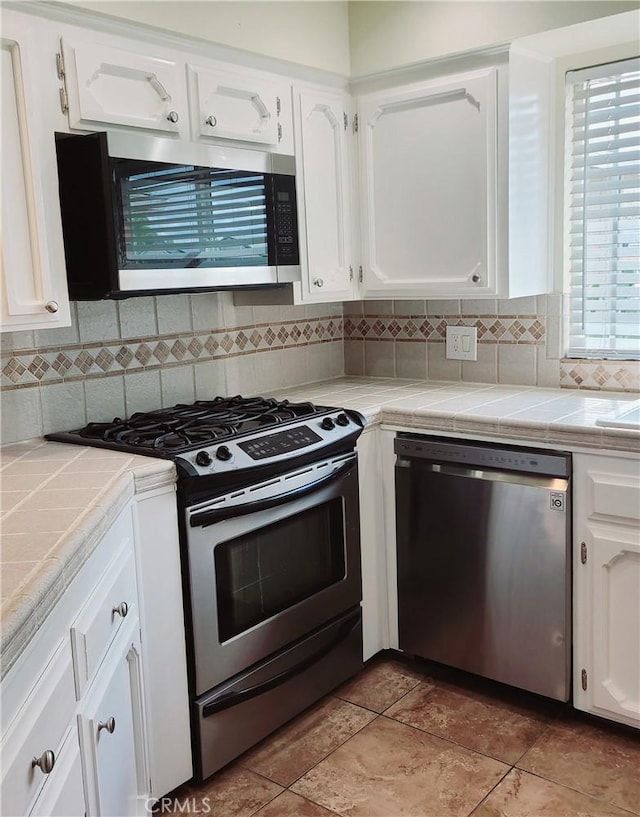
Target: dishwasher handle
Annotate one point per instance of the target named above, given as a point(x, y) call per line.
point(513, 477)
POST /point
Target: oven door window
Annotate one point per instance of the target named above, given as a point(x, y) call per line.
point(176, 216)
point(270, 569)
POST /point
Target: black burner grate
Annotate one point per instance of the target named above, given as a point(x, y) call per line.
point(181, 427)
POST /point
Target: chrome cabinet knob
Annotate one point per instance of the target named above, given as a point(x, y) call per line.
point(173, 116)
point(52, 306)
point(319, 282)
point(121, 610)
point(211, 121)
point(475, 278)
point(45, 762)
point(109, 725)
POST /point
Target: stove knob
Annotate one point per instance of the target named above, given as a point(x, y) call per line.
point(342, 420)
point(327, 424)
point(203, 458)
point(223, 453)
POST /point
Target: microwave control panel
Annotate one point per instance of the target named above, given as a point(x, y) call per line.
point(286, 220)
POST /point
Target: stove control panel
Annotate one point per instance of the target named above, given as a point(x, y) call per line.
point(277, 445)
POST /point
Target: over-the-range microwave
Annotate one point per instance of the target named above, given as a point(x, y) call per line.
point(146, 215)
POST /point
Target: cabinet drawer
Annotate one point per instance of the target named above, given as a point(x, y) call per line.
point(63, 795)
point(614, 495)
point(39, 727)
point(94, 629)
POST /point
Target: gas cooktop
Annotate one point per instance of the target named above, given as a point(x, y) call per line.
point(223, 434)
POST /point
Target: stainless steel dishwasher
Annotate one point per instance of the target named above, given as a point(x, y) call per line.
point(484, 568)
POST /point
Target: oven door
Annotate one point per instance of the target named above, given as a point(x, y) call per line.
point(270, 563)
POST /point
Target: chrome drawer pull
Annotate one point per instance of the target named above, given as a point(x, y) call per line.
point(46, 761)
point(109, 725)
point(122, 609)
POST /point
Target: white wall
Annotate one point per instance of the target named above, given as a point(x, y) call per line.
point(310, 33)
point(384, 35)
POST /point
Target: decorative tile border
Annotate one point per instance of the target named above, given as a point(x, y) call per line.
point(33, 367)
point(601, 375)
point(491, 328)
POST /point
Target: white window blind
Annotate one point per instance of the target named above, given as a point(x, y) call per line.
point(603, 183)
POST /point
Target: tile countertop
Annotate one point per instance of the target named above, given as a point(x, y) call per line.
point(564, 417)
point(58, 500)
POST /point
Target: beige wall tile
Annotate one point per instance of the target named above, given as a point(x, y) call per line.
point(443, 307)
point(104, 398)
point(354, 357)
point(210, 379)
point(20, 415)
point(174, 314)
point(97, 320)
point(354, 308)
point(379, 358)
point(479, 306)
point(438, 367)
point(138, 317)
point(206, 311)
point(415, 307)
point(378, 307)
point(518, 306)
point(177, 384)
point(411, 359)
point(517, 364)
point(485, 368)
point(63, 407)
point(547, 370)
point(142, 391)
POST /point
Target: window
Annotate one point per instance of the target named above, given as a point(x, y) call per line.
point(603, 210)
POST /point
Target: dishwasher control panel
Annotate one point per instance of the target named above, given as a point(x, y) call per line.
point(483, 455)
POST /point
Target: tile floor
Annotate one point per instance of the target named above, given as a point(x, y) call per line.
point(397, 741)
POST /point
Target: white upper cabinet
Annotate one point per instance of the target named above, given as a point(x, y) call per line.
point(324, 137)
point(240, 105)
point(33, 286)
point(429, 188)
point(111, 86)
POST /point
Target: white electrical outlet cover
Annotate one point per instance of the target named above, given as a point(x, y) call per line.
point(462, 343)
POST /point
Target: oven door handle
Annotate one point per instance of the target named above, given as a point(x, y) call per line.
point(205, 518)
point(230, 699)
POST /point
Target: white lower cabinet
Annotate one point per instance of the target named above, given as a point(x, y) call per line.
point(73, 715)
point(607, 587)
point(111, 730)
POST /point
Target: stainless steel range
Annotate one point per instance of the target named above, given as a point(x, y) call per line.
point(270, 544)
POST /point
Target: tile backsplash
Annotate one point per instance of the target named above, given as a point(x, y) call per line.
point(520, 342)
point(142, 353)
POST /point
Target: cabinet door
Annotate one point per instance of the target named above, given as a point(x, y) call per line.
point(109, 86)
point(239, 106)
point(32, 272)
point(614, 574)
point(607, 587)
point(428, 160)
point(323, 179)
point(111, 731)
